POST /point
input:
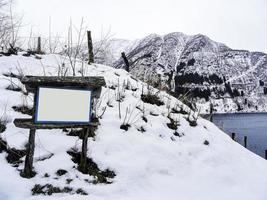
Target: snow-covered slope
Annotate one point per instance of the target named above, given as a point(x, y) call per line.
point(176, 56)
point(150, 160)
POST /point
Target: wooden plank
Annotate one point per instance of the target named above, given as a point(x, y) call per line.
point(89, 82)
point(28, 168)
point(29, 124)
point(83, 164)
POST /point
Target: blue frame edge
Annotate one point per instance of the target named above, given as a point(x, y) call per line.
point(61, 122)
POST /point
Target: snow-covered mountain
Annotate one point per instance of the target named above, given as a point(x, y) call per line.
point(168, 152)
point(231, 80)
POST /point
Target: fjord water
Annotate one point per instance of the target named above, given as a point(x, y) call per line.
point(252, 125)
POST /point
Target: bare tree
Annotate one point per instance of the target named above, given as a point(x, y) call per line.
point(53, 41)
point(74, 45)
point(9, 25)
point(102, 47)
point(5, 26)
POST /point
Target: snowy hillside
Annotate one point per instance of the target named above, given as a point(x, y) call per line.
point(106, 50)
point(194, 64)
point(164, 152)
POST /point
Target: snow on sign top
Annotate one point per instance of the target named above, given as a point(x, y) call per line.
point(63, 105)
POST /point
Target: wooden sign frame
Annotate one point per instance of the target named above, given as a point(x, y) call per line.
point(32, 84)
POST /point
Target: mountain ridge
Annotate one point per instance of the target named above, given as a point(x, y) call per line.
point(169, 57)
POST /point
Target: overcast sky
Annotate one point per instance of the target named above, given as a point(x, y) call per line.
point(240, 24)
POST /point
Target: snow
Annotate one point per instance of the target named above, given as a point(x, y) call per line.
point(250, 70)
point(152, 165)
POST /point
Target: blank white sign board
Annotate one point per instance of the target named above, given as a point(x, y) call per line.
point(56, 105)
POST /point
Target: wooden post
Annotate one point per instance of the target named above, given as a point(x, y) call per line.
point(83, 164)
point(233, 136)
point(28, 169)
point(39, 50)
point(245, 141)
point(127, 68)
point(266, 154)
point(211, 117)
point(90, 48)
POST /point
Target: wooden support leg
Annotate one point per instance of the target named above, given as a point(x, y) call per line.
point(28, 169)
point(83, 164)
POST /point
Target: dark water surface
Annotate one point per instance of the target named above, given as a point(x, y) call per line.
point(252, 125)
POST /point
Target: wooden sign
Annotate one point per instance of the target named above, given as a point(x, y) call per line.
point(59, 105)
point(60, 102)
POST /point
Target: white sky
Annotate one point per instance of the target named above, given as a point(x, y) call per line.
point(240, 24)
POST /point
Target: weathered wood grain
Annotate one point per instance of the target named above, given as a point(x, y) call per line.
point(89, 82)
point(29, 124)
point(28, 168)
point(83, 164)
